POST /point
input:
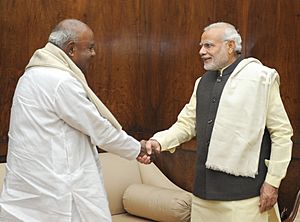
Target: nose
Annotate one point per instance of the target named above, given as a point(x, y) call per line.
point(202, 51)
point(93, 53)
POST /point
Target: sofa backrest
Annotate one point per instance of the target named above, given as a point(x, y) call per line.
point(118, 174)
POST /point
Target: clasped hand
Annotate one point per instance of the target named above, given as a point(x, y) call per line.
point(149, 150)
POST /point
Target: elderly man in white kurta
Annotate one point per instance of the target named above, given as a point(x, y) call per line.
point(56, 123)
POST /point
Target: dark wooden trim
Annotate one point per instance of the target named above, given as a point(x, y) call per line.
point(2, 159)
point(295, 210)
point(296, 147)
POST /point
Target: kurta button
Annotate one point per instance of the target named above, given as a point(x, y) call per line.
point(210, 121)
point(214, 100)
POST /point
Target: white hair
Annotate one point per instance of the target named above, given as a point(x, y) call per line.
point(61, 37)
point(66, 31)
point(230, 33)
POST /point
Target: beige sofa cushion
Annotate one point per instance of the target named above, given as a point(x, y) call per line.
point(159, 204)
point(125, 217)
point(2, 175)
point(118, 174)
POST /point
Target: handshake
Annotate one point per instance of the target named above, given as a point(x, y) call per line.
point(149, 150)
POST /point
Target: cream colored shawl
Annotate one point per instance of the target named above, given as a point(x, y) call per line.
point(241, 119)
point(52, 56)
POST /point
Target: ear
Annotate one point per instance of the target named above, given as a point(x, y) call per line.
point(231, 46)
point(70, 48)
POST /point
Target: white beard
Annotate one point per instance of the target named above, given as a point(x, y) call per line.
point(217, 62)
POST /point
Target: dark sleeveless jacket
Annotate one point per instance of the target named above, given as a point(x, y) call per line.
point(215, 185)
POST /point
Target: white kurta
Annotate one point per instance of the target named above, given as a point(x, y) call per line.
point(52, 158)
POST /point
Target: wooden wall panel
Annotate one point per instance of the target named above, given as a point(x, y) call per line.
point(147, 60)
point(117, 75)
point(168, 39)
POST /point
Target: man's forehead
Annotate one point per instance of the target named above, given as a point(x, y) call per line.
point(212, 35)
point(87, 35)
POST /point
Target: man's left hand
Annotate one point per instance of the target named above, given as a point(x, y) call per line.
point(268, 197)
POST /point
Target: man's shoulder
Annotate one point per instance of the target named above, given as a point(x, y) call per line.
point(50, 77)
point(48, 73)
point(253, 65)
point(252, 68)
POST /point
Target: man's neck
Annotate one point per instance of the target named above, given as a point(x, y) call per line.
point(231, 61)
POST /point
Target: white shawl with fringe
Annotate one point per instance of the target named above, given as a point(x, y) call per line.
point(241, 119)
point(52, 56)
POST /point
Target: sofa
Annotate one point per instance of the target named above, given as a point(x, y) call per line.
point(138, 192)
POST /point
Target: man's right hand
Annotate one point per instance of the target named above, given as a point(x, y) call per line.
point(149, 149)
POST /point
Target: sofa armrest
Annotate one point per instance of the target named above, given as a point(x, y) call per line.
point(158, 204)
point(151, 175)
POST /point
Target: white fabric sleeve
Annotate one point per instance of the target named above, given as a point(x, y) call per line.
point(184, 129)
point(281, 132)
point(72, 105)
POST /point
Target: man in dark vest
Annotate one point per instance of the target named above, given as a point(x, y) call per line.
point(242, 129)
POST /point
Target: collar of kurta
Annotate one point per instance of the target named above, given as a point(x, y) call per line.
point(53, 56)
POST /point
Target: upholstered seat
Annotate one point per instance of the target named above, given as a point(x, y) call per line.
point(138, 192)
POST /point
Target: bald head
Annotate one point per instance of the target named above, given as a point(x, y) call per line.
point(66, 31)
